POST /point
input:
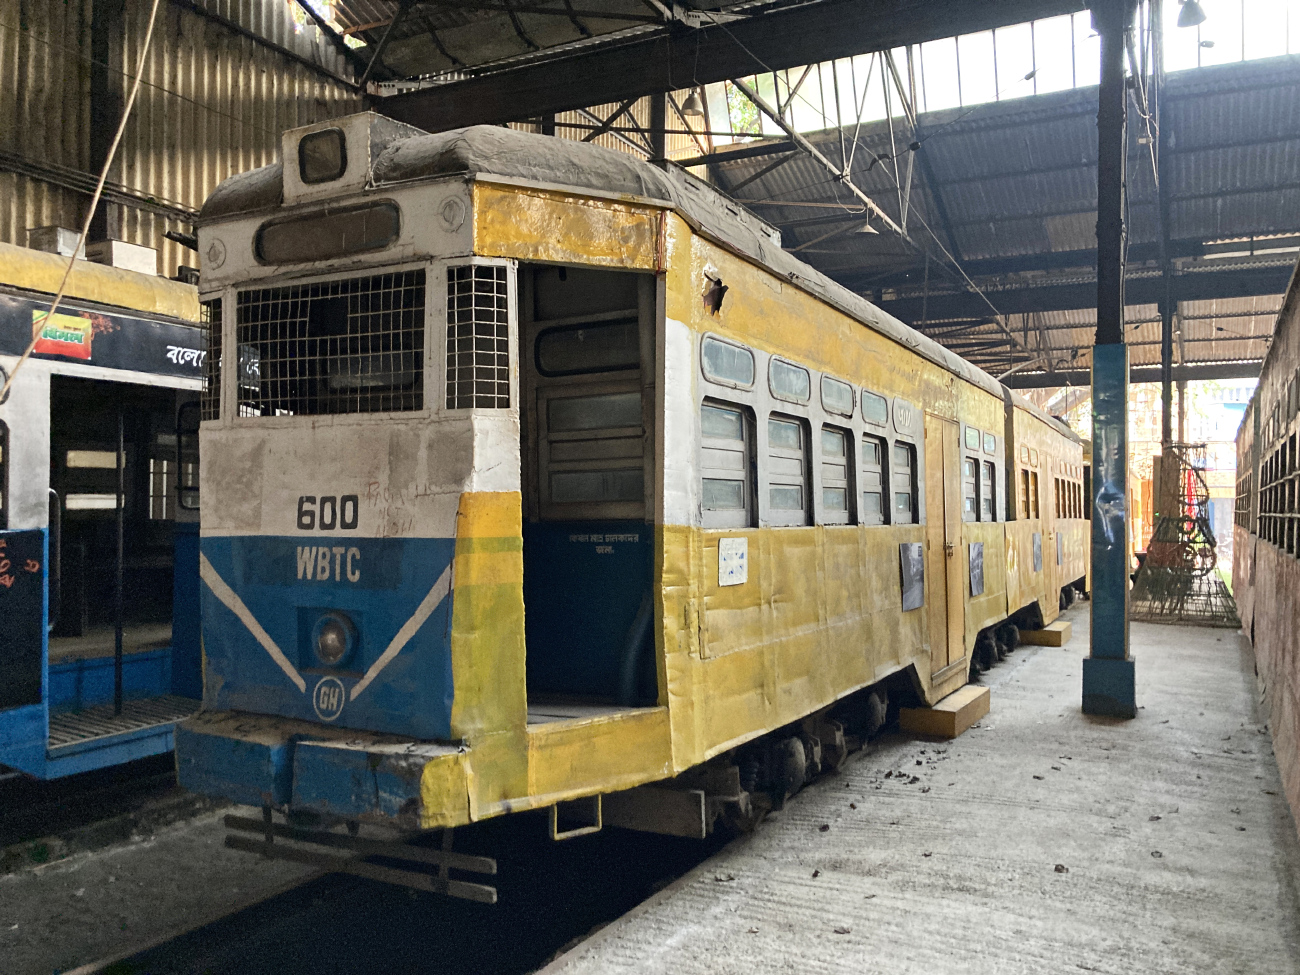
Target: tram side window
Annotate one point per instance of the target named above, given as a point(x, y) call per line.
point(988, 495)
point(904, 483)
point(836, 465)
point(1033, 494)
point(970, 491)
point(592, 451)
point(1024, 493)
point(732, 365)
point(787, 472)
point(789, 382)
point(872, 511)
point(725, 492)
point(210, 397)
point(161, 497)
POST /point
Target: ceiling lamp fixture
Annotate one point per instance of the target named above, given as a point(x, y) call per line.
point(866, 228)
point(1190, 14)
point(693, 107)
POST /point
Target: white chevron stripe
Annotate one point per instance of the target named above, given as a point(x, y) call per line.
point(232, 602)
point(422, 612)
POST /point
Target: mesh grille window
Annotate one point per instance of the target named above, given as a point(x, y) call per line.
point(353, 346)
point(210, 398)
point(478, 337)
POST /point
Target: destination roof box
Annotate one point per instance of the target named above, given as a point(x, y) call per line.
point(327, 159)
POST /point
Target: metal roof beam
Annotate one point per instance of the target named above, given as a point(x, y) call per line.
point(1200, 286)
point(676, 57)
point(1247, 369)
point(728, 154)
point(1025, 263)
point(335, 39)
point(841, 174)
point(376, 59)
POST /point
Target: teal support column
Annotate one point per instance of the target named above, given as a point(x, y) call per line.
point(1108, 674)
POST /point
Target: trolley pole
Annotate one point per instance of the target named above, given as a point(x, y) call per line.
point(1108, 673)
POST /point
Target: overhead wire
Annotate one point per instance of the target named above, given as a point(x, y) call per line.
point(38, 325)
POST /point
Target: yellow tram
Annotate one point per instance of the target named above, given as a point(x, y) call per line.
point(534, 474)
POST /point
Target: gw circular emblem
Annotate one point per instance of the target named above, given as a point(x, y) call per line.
point(452, 214)
point(328, 698)
point(216, 253)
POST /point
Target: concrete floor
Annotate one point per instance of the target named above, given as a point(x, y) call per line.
point(100, 904)
point(1041, 841)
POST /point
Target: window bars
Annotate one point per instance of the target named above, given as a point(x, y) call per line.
point(350, 346)
point(478, 337)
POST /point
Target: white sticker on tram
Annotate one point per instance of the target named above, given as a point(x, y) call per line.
point(314, 562)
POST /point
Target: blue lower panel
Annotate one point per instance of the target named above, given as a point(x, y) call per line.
point(126, 747)
point(289, 585)
point(253, 770)
point(23, 737)
point(583, 584)
point(78, 684)
point(354, 783)
point(187, 656)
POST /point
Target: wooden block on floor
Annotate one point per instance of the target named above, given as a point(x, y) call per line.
point(1053, 635)
point(951, 716)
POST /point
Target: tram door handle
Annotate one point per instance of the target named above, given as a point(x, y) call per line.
point(55, 557)
point(949, 549)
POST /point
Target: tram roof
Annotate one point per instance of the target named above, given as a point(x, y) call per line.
point(491, 152)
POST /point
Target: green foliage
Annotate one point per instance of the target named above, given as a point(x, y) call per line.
point(742, 113)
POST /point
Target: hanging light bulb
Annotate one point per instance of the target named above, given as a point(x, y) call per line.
point(693, 107)
point(1190, 14)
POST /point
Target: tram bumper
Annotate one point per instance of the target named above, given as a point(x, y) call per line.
point(291, 765)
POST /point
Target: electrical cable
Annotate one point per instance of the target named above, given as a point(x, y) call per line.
point(39, 326)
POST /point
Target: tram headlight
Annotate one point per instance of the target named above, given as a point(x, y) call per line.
point(335, 638)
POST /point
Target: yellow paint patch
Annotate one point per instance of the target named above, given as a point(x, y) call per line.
point(741, 660)
point(602, 754)
point(489, 514)
point(489, 708)
point(539, 225)
point(444, 795)
point(38, 271)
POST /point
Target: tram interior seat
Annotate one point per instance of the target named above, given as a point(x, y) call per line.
point(587, 449)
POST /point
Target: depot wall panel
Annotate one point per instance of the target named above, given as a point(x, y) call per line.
point(211, 103)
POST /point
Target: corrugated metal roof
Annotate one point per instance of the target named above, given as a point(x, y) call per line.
point(1017, 179)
